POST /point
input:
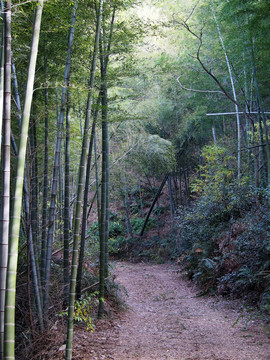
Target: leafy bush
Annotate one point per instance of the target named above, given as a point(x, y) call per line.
point(137, 224)
point(224, 238)
point(119, 245)
point(93, 230)
point(159, 210)
point(252, 248)
point(115, 228)
point(83, 310)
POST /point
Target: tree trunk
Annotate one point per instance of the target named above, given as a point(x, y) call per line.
point(5, 206)
point(127, 210)
point(9, 333)
point(186, 188)
point(16, 92)
point(60, 124)
point(105, 129)
point(104, 212)
point(169, 181)
point(102, 225)
point(67, 228)
point(174, 178)
point(180, 187)
point(33, 264)
point(97, 180)
point(81, 179)
point(34, 186)
point(153, 204)
point(262, 117)
point(33, 258)
point(214, 134)
point(141, 199)
point(85, 202)
point(45, 180)
point(2, 74)
point(234, 97)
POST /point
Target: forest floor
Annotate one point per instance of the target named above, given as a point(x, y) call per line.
point(166, 319)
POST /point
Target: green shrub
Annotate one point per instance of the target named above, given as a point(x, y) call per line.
point(119, 245)
point(239, 267)
point(224, 238)
point(137, 224)
point(83, 310)
point(115, 228)
point(93, 229)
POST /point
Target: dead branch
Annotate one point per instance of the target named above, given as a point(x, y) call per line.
point(192, 11)
point(89, 287)
point(209, 72)
point(197, 90)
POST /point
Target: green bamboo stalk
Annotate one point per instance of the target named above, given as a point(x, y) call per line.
point(67, 227)
point(85, 201)
point(16, 92)
point(104, 211)
point(32, 252)
point(81, 178)
point(102, 221)
point(5, 208)
point(107, 155)
point(2, 58)
point(97, 180)
point(34, 188)
point(45, 178)
point(9, 333)
point(56, 166)
point(234, 96)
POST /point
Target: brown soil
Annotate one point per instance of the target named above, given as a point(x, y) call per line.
point(165, 320)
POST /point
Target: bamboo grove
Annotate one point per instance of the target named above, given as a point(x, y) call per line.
point(22, 222)
point(98, 97)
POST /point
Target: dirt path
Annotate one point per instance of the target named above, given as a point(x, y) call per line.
point(166, 320)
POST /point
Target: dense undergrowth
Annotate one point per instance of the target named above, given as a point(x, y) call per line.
point(228, 251)
point(224, 237)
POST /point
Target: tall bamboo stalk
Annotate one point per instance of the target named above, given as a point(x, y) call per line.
point(97, 180)
point(105, 129)
point(32, 250)
point(2, 62)
point(81, 180)
point(104, 204)
point(169, 182)
point(5, 208)
point(34, 186)
point(16, 91)
point(9, 333)
point(85, 201)
point(45, 179)
point(103, 207)
point(126, 206)
point(265, 130)
point(33, 262)
point(60, 124)
point(67, 227)
point(234, 97)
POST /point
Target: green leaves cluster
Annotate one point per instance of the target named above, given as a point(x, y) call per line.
point(84, 309)
point(217, 177)
point(154, 156)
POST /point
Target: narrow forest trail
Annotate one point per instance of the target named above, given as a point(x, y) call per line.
point(166, 320)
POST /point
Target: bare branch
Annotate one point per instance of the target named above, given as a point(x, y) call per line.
point(199, 91)
point(209, 72)
point(192, 11)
